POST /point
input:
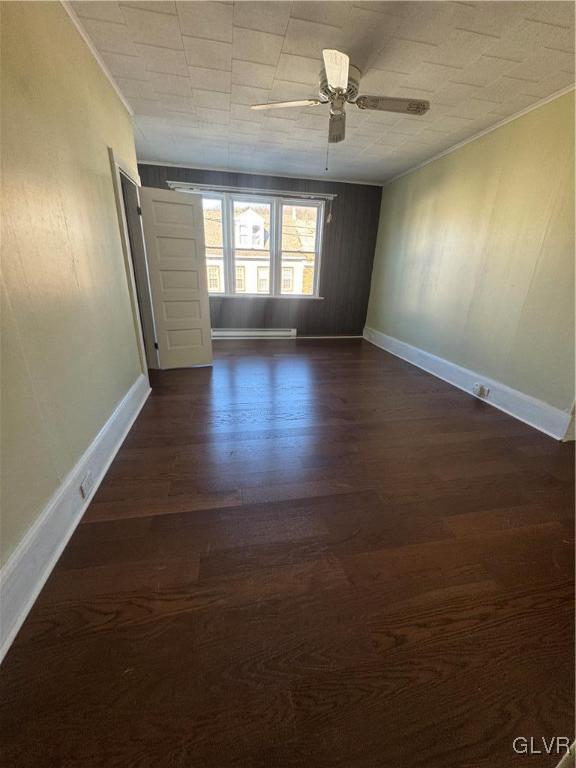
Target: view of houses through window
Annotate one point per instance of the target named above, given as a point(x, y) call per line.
point(287, 279)
point(214, 279)
point(251, 240)
point(299, 225)
point(214, 237)
point(241, 279)
point(262, 245)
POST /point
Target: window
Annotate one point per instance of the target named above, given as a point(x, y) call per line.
point(251, 243)
point(298, 254)
point(249, 231)
point(263, 280)
point(240, 279)
point(262, 245)
point(214, 237)
point(214, 282)
point(288, 280)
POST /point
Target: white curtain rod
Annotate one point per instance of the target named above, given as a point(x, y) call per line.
point(186, 186)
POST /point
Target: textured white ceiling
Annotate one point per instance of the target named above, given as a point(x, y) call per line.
point(190, 70)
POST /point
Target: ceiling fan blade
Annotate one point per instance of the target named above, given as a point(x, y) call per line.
point(336, 65)
point(386, 104)
point(337, 128)
point(282, 104)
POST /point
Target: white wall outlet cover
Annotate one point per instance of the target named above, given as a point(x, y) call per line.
point(480, 390)
point(86, 485)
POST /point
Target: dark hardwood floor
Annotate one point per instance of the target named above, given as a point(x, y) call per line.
point(313, 555)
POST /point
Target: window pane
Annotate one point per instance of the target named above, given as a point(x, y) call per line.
point(299, 225)
point(214, 244)
point(252, 246)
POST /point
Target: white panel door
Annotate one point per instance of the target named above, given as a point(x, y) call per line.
point(174, 233)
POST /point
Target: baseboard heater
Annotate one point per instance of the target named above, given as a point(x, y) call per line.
point(253, 333)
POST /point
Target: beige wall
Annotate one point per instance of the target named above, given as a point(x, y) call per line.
point(475, 256)
point(69, 351)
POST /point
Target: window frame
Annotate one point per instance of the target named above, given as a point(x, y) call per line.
point(275, 242)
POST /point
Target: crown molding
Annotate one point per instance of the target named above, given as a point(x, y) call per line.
point(78, 24)
point(500, 124)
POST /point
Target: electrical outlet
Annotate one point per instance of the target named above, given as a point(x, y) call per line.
point(86, 485)
point(480, 390)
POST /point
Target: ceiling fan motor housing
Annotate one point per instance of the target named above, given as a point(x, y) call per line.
point(351, 93)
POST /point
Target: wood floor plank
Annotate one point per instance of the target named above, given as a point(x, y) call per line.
point(313, 555)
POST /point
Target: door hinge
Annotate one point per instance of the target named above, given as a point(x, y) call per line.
point(139, 211)
point(155, 345)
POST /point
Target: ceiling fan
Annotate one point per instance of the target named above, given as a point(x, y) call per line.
point(339, 81)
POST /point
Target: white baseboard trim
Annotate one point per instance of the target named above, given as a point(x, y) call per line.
point(538, 414)
point(28, 568)
point(570, 433)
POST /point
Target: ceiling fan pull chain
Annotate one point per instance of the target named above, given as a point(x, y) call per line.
point(327, 150)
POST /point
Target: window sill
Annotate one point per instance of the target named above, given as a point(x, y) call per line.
point(263, 296)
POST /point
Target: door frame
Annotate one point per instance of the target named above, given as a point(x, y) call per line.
point(139, 261)
point(118, 166)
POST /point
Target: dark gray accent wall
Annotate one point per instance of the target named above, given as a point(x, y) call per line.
point(347, 256)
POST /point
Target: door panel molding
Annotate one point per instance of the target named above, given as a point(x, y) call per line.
point(174, 233)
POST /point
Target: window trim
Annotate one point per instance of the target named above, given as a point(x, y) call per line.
point(276, 203)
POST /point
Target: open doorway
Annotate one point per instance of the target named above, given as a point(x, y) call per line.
point(136, 244)
point(133, 246)
point(162, 235)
